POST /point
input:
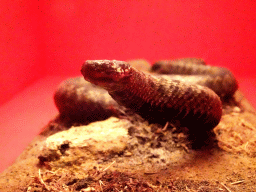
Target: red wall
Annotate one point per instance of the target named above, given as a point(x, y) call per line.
point(55, 37)
point(222, 32)
point(20, 52)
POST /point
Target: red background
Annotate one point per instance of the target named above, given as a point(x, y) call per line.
point(43, 42)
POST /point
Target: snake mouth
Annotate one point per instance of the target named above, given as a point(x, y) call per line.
point(102, 72)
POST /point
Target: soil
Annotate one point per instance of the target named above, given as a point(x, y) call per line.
point(128, 154)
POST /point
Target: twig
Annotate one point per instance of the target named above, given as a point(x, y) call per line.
point(237, 182)
point(225, 187)
point(101, 183)
point(109, 166)
point(100, 175)
point(165, 127)
point(41, 180)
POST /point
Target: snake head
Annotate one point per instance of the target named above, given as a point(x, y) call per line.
point(104, 73)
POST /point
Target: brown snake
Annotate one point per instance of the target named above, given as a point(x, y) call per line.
point(80, 100)
point(219, 79)
point(157, 98)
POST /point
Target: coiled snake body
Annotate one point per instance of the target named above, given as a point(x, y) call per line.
point(157, 98)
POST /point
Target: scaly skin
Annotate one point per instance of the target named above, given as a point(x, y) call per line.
point(80, 100)
point(156, 99)
point(219, 79)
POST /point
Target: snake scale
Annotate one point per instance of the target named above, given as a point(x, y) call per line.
point(158, 98)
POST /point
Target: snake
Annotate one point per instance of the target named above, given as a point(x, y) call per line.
point(219, 79)
point(80, 100)
point(110, 86)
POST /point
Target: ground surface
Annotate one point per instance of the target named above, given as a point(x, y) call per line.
point(128, 154)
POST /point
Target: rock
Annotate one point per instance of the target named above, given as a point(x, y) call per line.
point(109, 136)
